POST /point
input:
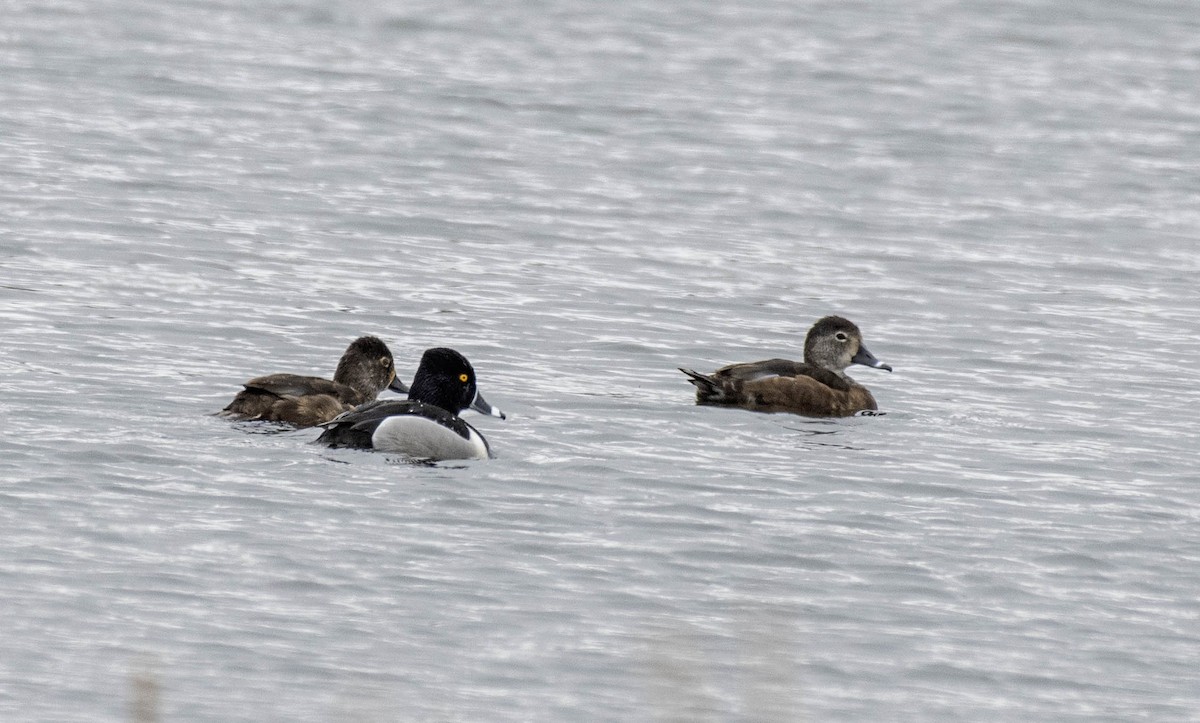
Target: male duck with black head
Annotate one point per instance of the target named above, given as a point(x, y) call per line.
point(815, 387)
point(366, 369)
point(426, 426)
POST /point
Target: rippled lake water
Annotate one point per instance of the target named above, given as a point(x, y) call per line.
point(582, 197)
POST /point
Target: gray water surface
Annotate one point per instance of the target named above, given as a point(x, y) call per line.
point(582, 197)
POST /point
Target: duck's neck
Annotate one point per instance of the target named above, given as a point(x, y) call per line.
point(843, 375)
point(357, 380)
point(427, 389)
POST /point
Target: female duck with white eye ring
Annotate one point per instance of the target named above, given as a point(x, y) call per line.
point(425, 426)
point(815, 387)
point(365, 369)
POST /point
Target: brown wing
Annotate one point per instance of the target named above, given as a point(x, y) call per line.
point(307, 411)
point(300, 400)
point(763, 370)
point(295, 385)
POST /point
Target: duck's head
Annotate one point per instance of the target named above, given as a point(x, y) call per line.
point(446, 379)
point(368, 367)
point(835, 343)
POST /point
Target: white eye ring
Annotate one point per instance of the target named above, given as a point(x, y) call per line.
point(841, 336)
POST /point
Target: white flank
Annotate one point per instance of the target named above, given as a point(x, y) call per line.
point(423, 438)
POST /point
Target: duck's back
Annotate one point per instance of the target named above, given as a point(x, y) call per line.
point(292, 398)
point(354, 427)
point(786, 368)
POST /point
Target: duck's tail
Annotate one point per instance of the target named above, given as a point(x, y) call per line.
point(708, 390)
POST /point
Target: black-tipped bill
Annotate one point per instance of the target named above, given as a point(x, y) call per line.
point(480, 405)
point(868, 359)
point(398, 386)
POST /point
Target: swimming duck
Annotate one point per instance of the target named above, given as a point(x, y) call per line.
point(426, 425)
point(365, 369)
point(815, 387)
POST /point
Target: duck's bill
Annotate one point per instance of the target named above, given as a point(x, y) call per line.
point(480, 405)
point(398, 386)
point(868, 359)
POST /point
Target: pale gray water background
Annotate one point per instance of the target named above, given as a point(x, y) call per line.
point(581, 197)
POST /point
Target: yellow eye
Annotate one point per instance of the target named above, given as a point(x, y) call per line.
point(463, 378)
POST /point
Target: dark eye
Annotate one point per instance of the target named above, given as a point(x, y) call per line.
point(841, 336)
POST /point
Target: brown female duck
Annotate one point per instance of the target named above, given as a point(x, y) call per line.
point(366, 369)
point(815, 387)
